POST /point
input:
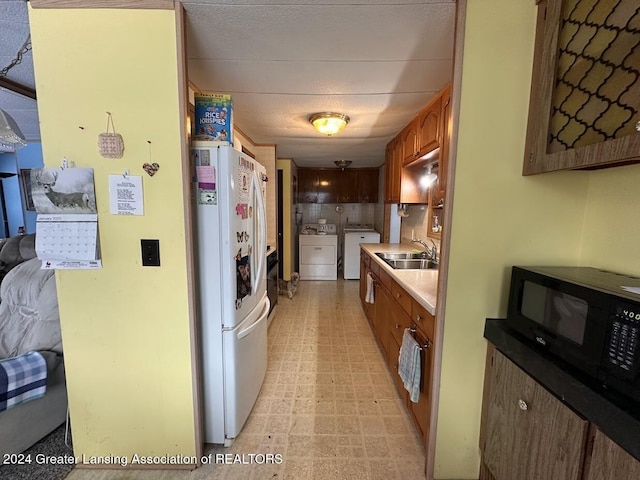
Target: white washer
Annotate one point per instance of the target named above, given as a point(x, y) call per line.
point(354, 235)
point(318, 252)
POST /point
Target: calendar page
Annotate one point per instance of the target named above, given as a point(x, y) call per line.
point(67, 237)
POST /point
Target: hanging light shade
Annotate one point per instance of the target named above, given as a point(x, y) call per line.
point(11, 137)
point(329, 123)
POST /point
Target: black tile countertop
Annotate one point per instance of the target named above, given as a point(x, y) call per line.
point(616, 416)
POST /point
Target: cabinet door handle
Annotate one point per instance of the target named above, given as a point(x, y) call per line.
point(397, 295)
point(418, 318)
point(523, 405)
point(397, 325)
point(638, 127)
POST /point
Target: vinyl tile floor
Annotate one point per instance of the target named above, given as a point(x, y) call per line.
point(328, 407)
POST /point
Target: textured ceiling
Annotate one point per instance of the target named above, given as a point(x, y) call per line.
point(378, 61)
point(14, 30)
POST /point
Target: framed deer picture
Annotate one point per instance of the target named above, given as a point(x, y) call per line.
point(68, 190)
point(25, 187)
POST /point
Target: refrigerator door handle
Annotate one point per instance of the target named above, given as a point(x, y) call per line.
point(262, 225)
point(263, 315)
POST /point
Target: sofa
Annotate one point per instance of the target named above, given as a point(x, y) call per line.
point(29, 321)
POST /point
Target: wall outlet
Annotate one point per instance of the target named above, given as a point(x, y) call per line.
point(150, 253)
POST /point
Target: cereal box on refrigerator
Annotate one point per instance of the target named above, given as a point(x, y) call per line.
point(214, 117)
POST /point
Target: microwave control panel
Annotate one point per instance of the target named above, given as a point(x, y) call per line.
point(624, 340)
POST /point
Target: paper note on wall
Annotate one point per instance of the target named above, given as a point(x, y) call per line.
point(125, 195)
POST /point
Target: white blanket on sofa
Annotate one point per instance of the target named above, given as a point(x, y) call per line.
point(29, 318)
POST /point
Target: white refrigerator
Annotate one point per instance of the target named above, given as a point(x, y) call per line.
point(233, 304)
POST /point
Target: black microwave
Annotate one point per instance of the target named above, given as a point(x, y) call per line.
point(590, 318)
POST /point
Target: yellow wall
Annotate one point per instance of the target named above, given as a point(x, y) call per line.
point(126, 327)
point(287, 257)
point(612, 221)
point(500, 218)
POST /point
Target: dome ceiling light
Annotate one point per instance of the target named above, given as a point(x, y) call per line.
point(342, 163)
point(329, 123)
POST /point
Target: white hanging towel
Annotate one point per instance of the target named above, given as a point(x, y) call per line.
point(369, 296)
point(409, 365)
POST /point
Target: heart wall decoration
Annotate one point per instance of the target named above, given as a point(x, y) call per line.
point(151, 168)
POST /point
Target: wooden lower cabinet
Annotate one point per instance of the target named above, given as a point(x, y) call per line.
point(529, 434)
point(420, 411)
point(608, 461)
point(389, 316)
point(392, 359)
point(382, 316)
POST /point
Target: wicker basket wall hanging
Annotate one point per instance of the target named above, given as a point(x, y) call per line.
point(110, 143)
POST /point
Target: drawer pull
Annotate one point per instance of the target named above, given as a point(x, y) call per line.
point(418, 318)
point(317, 248)
point(397, 295)
point(397, 325)
point(523, 405)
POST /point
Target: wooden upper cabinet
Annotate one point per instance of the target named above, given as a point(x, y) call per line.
point(307, 185)
point(584, 109)
point(409, 140)
point(529, 433)
point(328, 185)
point(348, 186)
point(429, 127)
point(367, 186)
point(332, 185)
point(437, 195)
point(608, 461)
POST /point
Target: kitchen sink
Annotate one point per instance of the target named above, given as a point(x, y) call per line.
point(401, 256)
point(407, 261)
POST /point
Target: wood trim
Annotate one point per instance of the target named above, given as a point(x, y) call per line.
point(133, 4)
point(235, 127)
point(486, 390)
point(194, 87)
point(246, 151)
point(194, 331)
point(18, 88)
point(445, 243)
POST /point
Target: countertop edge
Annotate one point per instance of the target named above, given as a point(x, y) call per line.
point(612, 419)
point(370, 248)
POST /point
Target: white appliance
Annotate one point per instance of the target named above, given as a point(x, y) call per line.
point(318, 244)
point(354, 235)
point(231, 253)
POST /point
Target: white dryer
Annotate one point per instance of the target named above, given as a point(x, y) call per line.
point(318, 252)
point(354, 235)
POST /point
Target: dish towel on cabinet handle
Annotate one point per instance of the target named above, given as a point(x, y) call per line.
point(409, 365)
point(369, 296)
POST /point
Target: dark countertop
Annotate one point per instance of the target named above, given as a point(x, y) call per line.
point(615, 415)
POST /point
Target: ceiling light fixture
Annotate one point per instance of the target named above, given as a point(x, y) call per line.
point(328, 123)
point(342, 163)
point(11, 137)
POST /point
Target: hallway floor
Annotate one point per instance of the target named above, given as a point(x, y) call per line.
point(328, 405)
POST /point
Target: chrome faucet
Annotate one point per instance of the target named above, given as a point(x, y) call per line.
point(431, 253)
